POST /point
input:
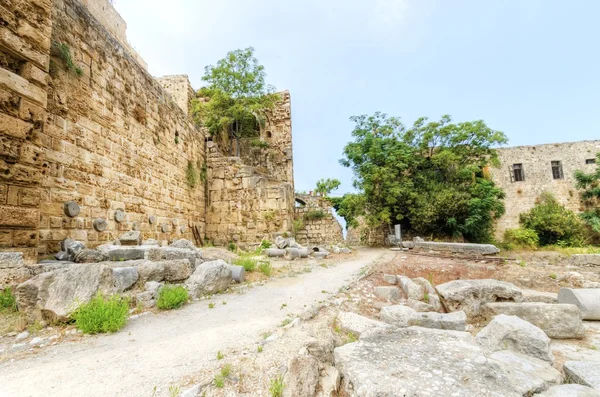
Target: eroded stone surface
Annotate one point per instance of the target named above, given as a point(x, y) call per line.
point(586, 373)
point(357, 324)
point(586, 299)
point(209, 278)
point(570, 391)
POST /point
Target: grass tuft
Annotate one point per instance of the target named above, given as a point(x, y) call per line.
point(172, 297)
point(249, 264)
point(276, 386)
point(265, 268)
point(220, 355)
point(101, 315)
point(7, 301)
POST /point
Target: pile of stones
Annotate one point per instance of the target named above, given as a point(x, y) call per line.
point(419, 345)
point(287, 247)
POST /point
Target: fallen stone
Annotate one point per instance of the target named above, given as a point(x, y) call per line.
point(585, 259)
point(126, 253)
point(193, 391)
point(472, 295)
point(586, 373)
point(559, 321)
point(390, 279)
point(275, 252)
point(36, 341)
point(150, 271)
point(177, 270)
point(357, 324)
point(321, 255)
point(72, 247)
point(570, 391)
point(209, 278)
point(302, 377)
point(281, 242)
point(11, 259)
point(329, 382)
point(530, 295)
point(463, 248)
point(90, 256)
point(420, 306)
point(397, 315)
point(517, 335)
point(133, 237)
point(151, 241)
point(391, 293)
point(346, 250)
point(17, 347)
point(183, 243)
point(456, 321)
point(526, 375)
point(238, 273)
point(172, 253)
point(63, 256)
point(125, 277)
point(430, 295)
point(419, 361)
point(292, 253)
point(22, 335)
point(586, 299)
point(408, 244)
point(411, 289)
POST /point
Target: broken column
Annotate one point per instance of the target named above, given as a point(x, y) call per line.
point(586, 299)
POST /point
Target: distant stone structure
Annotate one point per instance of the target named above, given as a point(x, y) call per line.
point(319, 225)
point(527, 171)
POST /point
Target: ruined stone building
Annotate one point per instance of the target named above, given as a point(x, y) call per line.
point(93, 146)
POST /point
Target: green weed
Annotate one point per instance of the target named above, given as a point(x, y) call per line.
point(102, 315)
point(172, 297)
point(276, 386)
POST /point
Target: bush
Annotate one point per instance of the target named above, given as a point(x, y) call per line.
point(232, 247)
point(526, 238)
point(553, 223)
point(7, 301)
point(249, 264)
point(314, 215)
point(172, 297)
point(265, 268)
point(102, 315)
point(265, 244)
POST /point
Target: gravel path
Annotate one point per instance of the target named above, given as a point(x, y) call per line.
point(158, 349)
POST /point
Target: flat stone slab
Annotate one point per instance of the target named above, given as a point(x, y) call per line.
point(11, 259)
point(526, 374)
point(586, 373)
point(462, 248)
point(419, 361)
point(559, 321)
point(570, 391)
point(585, 260)
point(586, 299)
point(357, 324)
point(390, 293)
point(133, 237)
point(530, 295)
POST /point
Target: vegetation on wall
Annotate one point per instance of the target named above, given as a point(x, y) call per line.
point(259, 143)
point(590, 184)
point(236, 97)
point(191, 175)
point(428, 177)
point(314, 215)
point(63, 51)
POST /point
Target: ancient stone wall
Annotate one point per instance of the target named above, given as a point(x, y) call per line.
point(244, 206)
point(25, 30)
point(538, 176)
point(319, 225)
point(180, 89)
point(365, 235)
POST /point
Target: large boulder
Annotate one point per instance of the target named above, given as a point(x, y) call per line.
point(472, 295)
point(586, 373)
point(586, 299)
point(560, 321)
point(419, 361)
point(570, 391)
point(512, 333)
point(209, 278)
point(125, 277)
point(11, 260)
point(55, 295)
point(302, 377)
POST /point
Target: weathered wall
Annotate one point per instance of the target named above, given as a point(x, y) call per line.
point(25, 29)
point(326, 230)
point(244, 206)
point(180, 89)
point(364, 235)
point(536, 160)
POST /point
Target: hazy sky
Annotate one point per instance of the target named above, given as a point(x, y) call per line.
point(529, 68)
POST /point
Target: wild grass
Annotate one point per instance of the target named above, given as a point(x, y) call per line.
point(265, 268)
point(101, 315)
point(248, 263)
point(8, 302)
point(276, 386)
point(172, 297)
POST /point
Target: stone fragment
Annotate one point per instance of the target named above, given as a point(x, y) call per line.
point(586, 299)
point(409, 361)
point(357, 324)
point(411, 289)
point(456, 321)
point(389, 293)
point(100, 224)
point(570, 391)
point(126, 253)
point(71, 209)
point(329, 382)
point(472, 295)
point(281, 242)
point(390, 279)
point(302, 377)
point(63, 256)
point(177, 270)
point(150, 271)
point(586, 373)
point(514, 334)
point(193, 391)
point(151, 241)
point(22, 335)
point(397, 315)
point(420, 306)
point(11, 260)
point(152, 219)
point(559, 321)
point(408, 244)
point(183, 243)
point(530, 295)
point(238, 273)
point(321, 255)
point(119, 215)
point(36, 341)
point(209, 278)
point(526, 375)
point(72, 247)
point(90, 256)
point(125, 277)
point(430, 295)
point(133, 237)
point(292, 253)
point(275, 252)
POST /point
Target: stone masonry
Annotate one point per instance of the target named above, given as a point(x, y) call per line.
point(326, 230)
point(538, 176)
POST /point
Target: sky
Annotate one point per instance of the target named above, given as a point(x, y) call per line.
point(529, 68)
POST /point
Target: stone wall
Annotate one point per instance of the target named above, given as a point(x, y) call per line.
point(538, 177)
point(244, 206)
point(325, 230)
point(180, 89)
point(25, 30)
point(365, 235)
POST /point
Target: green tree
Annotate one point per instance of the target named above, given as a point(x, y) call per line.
point(430, 177)
point(590, 184)
point(236, 97)
point(326, 186)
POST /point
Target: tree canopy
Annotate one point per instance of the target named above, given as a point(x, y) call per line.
point(326, 186)
point(431, 177)
point(590, 184)
point(236, 97)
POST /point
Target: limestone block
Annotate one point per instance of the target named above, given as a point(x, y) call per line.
point(586, 373)
point(586, 299)
point(357, 324)
point(11, 260)
point(389, 293)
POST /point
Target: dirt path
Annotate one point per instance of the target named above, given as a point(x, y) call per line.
point(158, 349)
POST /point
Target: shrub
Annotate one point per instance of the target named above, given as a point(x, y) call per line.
point(276, 387)
point(7, 301)
point(265, 268)
point(314, 215)
point(553, 223)
point(232, 247)
point(172, 297)
point(249, 264)
point(259, 143)
point(527, 238)
point(191, 175)
point(102, 315)
point(265, 244)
